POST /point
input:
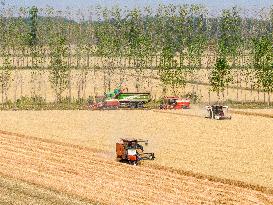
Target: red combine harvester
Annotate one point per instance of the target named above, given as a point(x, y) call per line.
point(130, 151)
point(106, 104)
point(175, 103)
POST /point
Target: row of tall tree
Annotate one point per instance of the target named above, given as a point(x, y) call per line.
point(175, 40)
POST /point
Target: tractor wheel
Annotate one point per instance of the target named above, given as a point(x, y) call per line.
point(132, 105)
point(134, 163)
point(140, 105)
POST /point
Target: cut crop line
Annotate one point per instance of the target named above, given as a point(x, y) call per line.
point(255, 114)
point(156, 166)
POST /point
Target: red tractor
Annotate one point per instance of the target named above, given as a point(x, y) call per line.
point(175, 103)
point(130, 151)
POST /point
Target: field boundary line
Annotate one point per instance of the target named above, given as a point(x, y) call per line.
point(255, 114)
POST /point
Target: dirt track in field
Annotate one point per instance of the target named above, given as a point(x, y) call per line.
point(80, 172)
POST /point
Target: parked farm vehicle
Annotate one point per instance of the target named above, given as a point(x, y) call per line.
point(131, 152)
point(107, 104)
point(175, 103)
point(119, 98)
point(133, 100)
point(217, 112)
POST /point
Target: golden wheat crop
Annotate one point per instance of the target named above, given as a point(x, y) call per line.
point(66, 173)
point(238, 149)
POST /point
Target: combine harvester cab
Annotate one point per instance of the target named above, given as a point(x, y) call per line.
point(175, 103)
point(217, 112)
point(130, 151)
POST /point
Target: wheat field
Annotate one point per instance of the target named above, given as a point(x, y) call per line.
point(46, 171)
point(239, 148)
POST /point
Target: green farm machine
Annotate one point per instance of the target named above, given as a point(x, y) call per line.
point(121, 99)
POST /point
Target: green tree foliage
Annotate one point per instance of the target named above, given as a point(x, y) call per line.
point(7, 28)
point(32, 35)
point(59, 72)
point(230, 33)
point(171, 73)
point(220, 76)
point(228, 44)
point(263, 62)
point(171, 39)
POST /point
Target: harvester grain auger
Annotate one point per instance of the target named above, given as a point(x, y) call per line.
point(130, 151)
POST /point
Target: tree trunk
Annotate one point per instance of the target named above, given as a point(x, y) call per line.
point(79, 89)
point(21, 85)
point(209, 97)
point(85, 84)
point(16, 85)
point(237, 86)
point(258, 94)
point(268, 98)
point(218, 97)
point(69, 87)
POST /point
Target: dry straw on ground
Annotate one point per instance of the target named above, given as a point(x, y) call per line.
point(239, 149)
point(78, 172)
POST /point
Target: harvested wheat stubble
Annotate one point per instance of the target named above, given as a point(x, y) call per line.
point(239, 149)
point(13, 191)
point(77, 171)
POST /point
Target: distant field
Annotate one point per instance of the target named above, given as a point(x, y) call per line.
point(97, 82)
